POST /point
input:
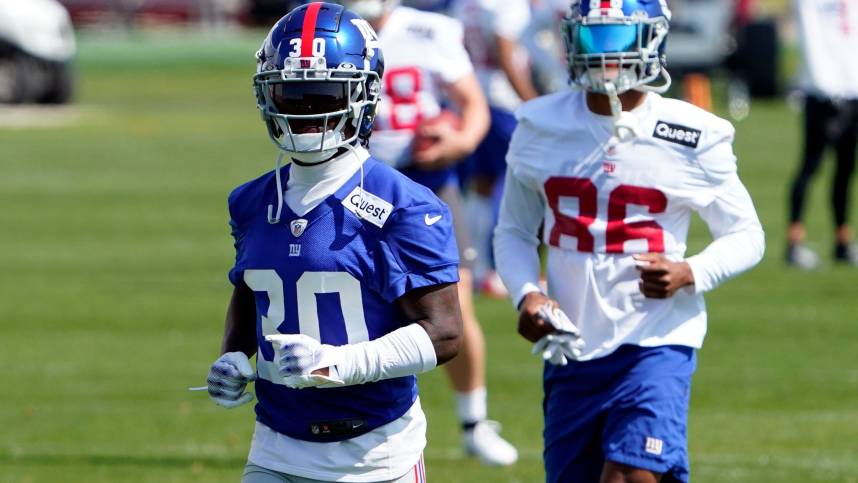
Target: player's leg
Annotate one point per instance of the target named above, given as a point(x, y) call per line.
point(574, 397)
point(840, 192)
point(617, 473)
point(467, 370)
point(258, 474)
point(645, 429)
point(817, 113)
point(489, 168)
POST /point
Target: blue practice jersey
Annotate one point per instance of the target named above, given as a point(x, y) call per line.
point(333, 275)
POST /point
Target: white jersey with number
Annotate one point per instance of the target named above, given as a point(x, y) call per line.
point(423, 53)
point(603, 201)
point(829, 40)
point(483, 20)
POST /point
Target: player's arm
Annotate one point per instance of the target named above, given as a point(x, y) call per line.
point(726, 207)
point(739, 241)
point(453, 145)
point(515, 72)
point(738, 244)
point(231, 372)
point(432, 336)
point(239, 334)
point(416, 272)
point(436, 310)
point(516, 243)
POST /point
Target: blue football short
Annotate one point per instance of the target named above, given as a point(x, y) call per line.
point(489, 159)
point(630, 407)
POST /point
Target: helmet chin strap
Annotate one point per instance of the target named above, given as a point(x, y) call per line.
point(353, 150)
point(624, 123)
point(275, 219)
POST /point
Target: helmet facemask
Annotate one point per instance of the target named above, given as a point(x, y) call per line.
point(312, 111)
point(607, 53)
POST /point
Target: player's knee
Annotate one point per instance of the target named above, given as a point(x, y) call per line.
point(620, 473)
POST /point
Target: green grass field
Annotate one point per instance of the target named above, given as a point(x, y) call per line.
point(114, 251)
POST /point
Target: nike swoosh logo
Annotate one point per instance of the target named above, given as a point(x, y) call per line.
point(431, 220)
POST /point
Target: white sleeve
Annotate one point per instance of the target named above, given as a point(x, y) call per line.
point(453, 58)
point(403, 352)
point(516, 238)
point(739, 241)
point(511, 18)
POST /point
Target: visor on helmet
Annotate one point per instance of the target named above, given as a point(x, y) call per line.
point(309, 98)
point(606, 38)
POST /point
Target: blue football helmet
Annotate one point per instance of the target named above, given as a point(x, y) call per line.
point(318, 81)
point(617, 45)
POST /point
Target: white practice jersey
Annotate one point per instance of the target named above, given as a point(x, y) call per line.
point(423, 53)
point(483, 20)
point(829, 40)
point(603, 201)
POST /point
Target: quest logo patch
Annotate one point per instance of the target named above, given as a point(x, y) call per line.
point(676, 133)
point(368, 206)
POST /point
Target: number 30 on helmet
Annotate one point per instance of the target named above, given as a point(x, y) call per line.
point(318, 81)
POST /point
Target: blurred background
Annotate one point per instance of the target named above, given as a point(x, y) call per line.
point(124, 124)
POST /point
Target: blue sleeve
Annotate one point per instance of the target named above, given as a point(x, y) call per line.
point(236, 273)
point(418, 250)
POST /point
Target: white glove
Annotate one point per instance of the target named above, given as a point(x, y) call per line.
point(297, 356)
point(227, 379)
point(566, 343)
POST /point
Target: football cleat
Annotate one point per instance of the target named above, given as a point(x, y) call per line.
point(801, 257)
point(846, 253)
point(485, 442)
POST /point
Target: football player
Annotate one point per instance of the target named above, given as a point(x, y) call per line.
point(345, 271)
point(829, 33)
point(614, 171)
point(426, 65)
point(493, 31)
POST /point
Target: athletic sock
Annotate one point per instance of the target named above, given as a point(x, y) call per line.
point(471, 407)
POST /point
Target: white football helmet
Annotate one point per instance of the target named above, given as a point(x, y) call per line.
point(370, 9)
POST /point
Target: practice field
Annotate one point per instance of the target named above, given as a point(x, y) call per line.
point(114, 252)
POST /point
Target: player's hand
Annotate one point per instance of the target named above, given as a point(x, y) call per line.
point(563, 344)
point(660, 277)
point(447, 150)
point(531, 324)
point(303, 361)
point(227, 379)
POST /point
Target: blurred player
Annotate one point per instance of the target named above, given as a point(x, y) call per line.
point(544, 45)
point(425, 63)
point(345, 282)
point(493, 30)
point(829, 34)
point(615, 173)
